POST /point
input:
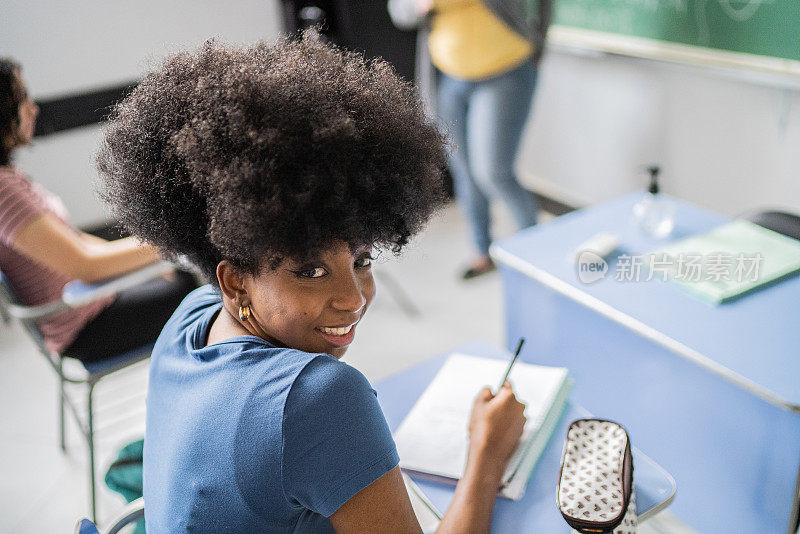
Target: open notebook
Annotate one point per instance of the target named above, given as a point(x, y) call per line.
point(433, 438)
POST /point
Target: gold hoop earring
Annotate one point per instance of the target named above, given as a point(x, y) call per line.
point(244, 313)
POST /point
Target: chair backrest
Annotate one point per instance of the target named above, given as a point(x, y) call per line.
point(132, 513)
point(782, 222)
point(129, 515)
point(8, 299)
point(7, 295)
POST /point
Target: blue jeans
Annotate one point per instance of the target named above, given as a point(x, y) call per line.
point(485, 120)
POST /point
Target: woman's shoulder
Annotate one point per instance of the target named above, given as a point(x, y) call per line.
point(13, 179)
point(10, 171)
point(325, 372)
point(323, 380)
point(336, 440)
point(20, 202)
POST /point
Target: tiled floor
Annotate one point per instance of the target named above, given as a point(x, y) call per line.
point(45, 491)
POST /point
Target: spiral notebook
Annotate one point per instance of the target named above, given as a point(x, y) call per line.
point(432, 440)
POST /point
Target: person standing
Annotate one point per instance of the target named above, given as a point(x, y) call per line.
point(486, 54)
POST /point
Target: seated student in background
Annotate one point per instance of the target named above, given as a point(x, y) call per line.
point(279, 170)
point(40, 252)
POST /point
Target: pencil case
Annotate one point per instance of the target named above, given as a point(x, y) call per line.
point(595, 488)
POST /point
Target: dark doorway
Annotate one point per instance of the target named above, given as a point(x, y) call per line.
point(361, 25)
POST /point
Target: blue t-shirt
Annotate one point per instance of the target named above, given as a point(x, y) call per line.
point(243, 436)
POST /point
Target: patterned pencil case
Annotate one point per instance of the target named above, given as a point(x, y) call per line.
point(595, 490)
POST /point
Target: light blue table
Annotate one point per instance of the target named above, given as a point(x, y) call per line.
point(711, 391)
point(536, 512)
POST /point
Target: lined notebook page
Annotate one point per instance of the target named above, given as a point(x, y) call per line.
point(433, 438)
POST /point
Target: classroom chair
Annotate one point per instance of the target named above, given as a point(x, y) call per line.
point(133, 512)
point(77, 294)
point(782, 222)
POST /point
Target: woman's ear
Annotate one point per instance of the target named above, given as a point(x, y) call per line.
point(231, 283)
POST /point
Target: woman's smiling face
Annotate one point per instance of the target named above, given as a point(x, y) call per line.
point(312, 306)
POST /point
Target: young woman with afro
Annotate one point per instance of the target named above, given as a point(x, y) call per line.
point(278, 170)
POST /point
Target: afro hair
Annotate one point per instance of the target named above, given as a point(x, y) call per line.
point(271, 151)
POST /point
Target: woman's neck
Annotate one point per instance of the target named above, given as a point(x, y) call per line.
point(224, 327)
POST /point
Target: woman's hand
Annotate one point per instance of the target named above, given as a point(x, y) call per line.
point(495, 427)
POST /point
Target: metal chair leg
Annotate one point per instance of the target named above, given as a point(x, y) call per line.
point(90, 439)
point(399, 293)
point(61, 422)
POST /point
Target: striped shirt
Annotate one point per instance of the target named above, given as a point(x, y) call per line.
point(21, 201)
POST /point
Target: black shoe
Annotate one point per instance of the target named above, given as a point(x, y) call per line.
point(474, 272)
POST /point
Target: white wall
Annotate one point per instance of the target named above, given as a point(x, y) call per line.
point(69, 47)
point(72, 47)
point(723, 140)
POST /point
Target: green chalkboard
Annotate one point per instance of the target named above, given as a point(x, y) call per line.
point(769, 28)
